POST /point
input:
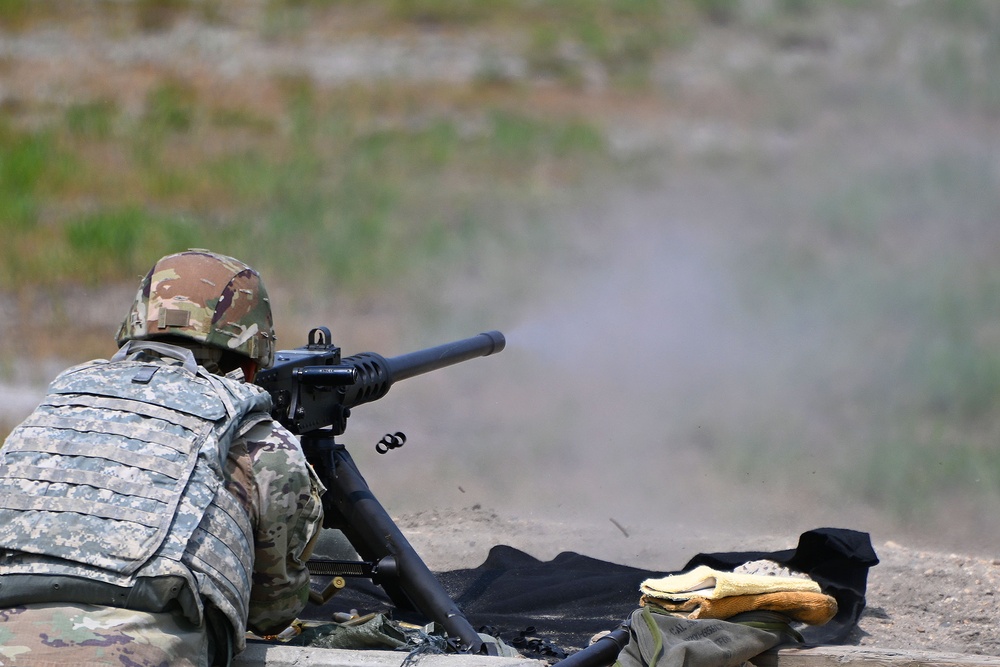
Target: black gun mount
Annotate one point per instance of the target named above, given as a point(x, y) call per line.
point(313, 391)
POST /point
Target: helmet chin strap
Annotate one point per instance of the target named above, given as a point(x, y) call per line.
point(249, 367)
point(163, 349)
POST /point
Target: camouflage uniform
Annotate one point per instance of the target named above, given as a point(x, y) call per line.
point(158, 585)
point(79, 634)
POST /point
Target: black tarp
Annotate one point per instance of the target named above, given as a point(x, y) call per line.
point(564, 601)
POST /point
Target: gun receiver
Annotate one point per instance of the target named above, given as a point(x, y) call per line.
point(313, 391)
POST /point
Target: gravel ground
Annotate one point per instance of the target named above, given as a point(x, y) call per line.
point(932, 601)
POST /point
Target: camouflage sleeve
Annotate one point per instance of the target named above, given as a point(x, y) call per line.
point(289, 519)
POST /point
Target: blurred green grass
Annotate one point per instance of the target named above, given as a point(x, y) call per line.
point(349, 195)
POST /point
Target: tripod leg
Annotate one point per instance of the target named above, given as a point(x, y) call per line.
point(376, 538)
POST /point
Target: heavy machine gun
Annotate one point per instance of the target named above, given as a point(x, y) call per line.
point(313, 390)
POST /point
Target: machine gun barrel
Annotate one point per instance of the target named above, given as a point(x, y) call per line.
point(423, 361)
point(376, 374)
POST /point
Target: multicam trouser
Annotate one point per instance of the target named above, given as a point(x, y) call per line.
point(81, 635)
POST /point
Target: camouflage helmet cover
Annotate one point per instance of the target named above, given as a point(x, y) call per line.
point(206, 297)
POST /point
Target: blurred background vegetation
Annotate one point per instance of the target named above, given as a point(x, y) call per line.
point(840, 157)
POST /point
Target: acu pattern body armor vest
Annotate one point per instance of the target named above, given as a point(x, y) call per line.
point(112, 492)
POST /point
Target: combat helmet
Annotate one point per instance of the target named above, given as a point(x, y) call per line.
point(205, 297)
